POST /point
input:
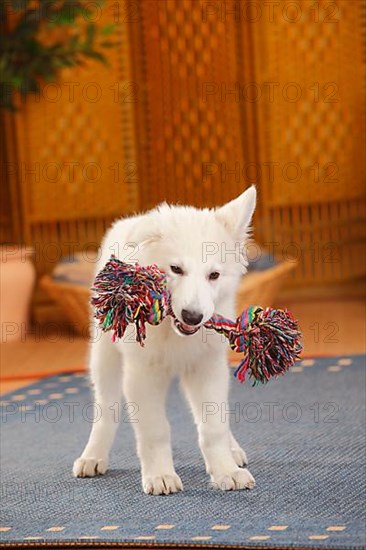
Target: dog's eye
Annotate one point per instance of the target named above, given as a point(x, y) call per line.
point(177, 270)
point(214, 275)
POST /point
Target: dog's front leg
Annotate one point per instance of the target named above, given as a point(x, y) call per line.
point(145, 386)
point(105, 372)
point(206, 388)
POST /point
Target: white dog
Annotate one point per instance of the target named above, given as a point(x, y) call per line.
point(200, 254)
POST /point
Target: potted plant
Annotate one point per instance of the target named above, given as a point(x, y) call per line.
point(41, 37)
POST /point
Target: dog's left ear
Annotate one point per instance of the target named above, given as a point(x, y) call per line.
point(237, 214)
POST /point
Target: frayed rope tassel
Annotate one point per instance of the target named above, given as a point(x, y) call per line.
point(124, 294)
point(269, 339)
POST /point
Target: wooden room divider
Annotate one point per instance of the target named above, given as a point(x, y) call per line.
point(310, 67)
point(75, 163)
point(270, 93)
point(201, 99)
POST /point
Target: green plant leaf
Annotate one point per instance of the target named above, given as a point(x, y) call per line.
point(25, 61)
point(95, 55)
point(107, 30)
point(90, 35)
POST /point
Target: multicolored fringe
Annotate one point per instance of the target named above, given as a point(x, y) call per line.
point(125, 294)
point(269, 339)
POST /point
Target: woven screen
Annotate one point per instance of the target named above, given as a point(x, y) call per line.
point(186, 132)
point(309, 65)
point(235, 94)
point(77, 153)
point(312, 109)
point(198, 102)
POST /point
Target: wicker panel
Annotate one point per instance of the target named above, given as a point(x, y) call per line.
point(319, 62)
point(5, 198)
point(177, 54)
point(261, 287)
point(153, 142)
point(10, 208)
point(73, 301)
point(317, 141)
point(327, 240)
point(77, 143)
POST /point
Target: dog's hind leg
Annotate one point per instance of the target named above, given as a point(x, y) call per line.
point(106, 376)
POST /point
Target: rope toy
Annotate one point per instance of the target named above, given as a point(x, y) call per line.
point(124, 294)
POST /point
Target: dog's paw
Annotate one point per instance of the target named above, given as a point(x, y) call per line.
point(237, 480)
point(239, 456)
point(89, 467)
point(162, 484)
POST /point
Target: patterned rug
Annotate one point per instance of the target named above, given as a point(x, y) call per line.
point(304, 434)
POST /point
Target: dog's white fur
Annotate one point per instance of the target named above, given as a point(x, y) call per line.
point(200, 242)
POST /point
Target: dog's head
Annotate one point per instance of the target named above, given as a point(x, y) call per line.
point(202, 253)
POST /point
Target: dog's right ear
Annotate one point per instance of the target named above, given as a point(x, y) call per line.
point(236, 215)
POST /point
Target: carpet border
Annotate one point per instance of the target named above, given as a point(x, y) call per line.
point(85, 370)
point(58, 545)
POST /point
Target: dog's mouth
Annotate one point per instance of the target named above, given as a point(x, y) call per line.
point(186, 330)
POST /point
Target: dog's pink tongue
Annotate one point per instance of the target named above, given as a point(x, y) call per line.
point(188, 328)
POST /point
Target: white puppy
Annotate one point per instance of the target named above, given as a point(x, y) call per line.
point(202, 255)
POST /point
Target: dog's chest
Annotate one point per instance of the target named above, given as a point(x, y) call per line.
point(164, 347)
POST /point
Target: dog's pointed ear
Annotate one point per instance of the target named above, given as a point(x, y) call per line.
point(237, 214)
point(145, 231)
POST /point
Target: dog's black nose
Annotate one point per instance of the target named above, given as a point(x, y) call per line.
point(191, 317)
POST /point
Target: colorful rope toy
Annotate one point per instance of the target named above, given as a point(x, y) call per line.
point(124, 294)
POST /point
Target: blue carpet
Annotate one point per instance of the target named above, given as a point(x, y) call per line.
point(304, 434)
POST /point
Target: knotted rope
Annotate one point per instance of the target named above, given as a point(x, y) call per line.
point(124, 294)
